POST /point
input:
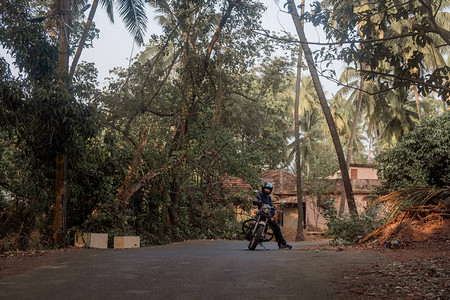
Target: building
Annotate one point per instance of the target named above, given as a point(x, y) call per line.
point(363, 178)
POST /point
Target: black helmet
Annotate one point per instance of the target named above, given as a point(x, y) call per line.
point(267, 185)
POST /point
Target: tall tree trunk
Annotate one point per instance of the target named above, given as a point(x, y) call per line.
point(378, 139)
point(61, 159)
point(87, 26)
point(59, 224)
point(175, 199)
point(325, 107)
point(370, 144)
point(63, 36)
point(352, 138)
point(176, 184)
point(300, 213)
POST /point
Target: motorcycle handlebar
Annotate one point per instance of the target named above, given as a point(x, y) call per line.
point(259, 202)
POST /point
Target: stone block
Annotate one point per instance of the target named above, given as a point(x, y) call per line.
point(92, 240)
point(123, 242)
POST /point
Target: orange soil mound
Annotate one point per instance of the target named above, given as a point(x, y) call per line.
point(407, 231)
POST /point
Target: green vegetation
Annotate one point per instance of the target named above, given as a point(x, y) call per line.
point(207, 98)
point(347, 229)
point(145, 156)
point(416, 173)
point(421, 159)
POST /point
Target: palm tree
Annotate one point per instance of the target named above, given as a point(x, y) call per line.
point(433, 53)
point(300, 236)
point(61, 13)
point(310, 125)
point(132, 13)
point(301, 213)
point(342, 109)
point(400, 118)
point(307, 107)
point(373, 103)
point(346, 117)
point(389, 116)
point(309, 96)
point(325, 108)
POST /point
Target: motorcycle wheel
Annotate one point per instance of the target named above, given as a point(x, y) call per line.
point(247, 228)
point(256, 237)
point(269, 234)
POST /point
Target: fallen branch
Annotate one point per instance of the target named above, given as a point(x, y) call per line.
point(425, 210)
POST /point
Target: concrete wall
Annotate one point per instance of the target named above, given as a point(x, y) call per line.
point(360, 172)
point(314, 215)
point(366, 173)
point(290, 216)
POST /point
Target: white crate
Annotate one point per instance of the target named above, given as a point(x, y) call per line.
point(122, 242)
point(92, 240)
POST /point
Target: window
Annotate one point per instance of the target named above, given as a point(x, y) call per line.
point(353, 173)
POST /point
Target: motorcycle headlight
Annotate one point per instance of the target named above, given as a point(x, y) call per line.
point(266, 209)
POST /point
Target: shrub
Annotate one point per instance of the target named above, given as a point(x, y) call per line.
point(422, 158)
point(347, 229)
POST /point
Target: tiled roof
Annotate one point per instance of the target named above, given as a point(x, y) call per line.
point(284, 182)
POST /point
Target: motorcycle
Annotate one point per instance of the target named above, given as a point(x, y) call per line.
point(256, 230)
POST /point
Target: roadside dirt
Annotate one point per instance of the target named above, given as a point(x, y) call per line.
point(421, 271)
point(13, 263)
point(420, 266)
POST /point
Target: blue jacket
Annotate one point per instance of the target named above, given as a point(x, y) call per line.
point(265, 199)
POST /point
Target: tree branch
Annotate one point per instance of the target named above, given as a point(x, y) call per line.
point(83, 37)
point(153, 96)
point(214, 152)
point(266, 34)
point(245, 96)
point(126, 195)
point(357, 88)
point(215, 38)
point(436, 87)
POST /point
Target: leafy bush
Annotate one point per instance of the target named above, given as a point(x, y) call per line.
point(422, 159)
point(347, 229)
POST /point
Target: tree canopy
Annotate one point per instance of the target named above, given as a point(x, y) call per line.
point(395, 41)
point(421, 159)
point(206, 99)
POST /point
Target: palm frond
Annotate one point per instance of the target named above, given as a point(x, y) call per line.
point(76, 6)
point(134, 15)
point(109, 5)
point(400, 201)
point(405, 204)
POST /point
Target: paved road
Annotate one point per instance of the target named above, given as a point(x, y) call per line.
point(190, 270)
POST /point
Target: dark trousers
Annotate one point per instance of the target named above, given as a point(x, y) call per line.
point(277, 231)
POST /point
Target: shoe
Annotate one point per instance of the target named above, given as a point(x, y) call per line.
point(287, 247)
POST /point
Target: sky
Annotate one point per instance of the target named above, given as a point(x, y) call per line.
point(115, 45)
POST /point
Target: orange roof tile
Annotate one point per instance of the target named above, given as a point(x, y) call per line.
point(284, 182)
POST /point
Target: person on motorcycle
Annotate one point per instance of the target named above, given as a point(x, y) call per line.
point(265, 198)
